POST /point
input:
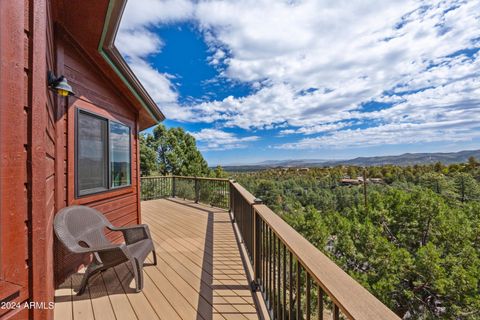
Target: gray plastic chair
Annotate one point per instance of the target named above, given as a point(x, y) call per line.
point(82, 230)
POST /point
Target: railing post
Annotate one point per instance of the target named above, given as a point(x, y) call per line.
point(256, 245)
point(232, 201)
point(174, 187)
point(197, 195)
point(231, 182)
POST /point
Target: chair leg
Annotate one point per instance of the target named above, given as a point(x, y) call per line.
point(154, 258)
point(138, 274)
point(89, 272)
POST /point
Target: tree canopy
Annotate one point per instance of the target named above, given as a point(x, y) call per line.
point(171, 151)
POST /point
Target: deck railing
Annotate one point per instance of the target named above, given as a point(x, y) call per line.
point(212, 191)
point(296, 280)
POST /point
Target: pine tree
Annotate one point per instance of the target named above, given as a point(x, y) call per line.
point(176, 153)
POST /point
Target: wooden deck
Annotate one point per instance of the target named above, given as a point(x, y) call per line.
point(200, 272)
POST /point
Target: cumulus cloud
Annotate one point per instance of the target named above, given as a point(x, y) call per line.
point(214, 139)
point(148, 13)
point(137, 42)
point(459, 130)
point(308, 130)
point(313, 65)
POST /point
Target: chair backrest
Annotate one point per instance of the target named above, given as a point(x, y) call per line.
point(77, 226)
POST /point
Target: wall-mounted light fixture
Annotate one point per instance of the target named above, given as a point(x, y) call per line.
point(59, 85)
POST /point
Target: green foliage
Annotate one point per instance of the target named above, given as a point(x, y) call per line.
point(171, 151)
point(416, 246)
point(148, 156)
point(219, 172)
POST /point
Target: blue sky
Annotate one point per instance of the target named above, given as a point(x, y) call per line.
point(269, 79)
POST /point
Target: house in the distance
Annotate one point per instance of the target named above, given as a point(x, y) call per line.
point(346, 181)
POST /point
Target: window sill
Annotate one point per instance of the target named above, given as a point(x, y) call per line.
point(102, 195)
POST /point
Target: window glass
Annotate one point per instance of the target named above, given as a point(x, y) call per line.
point(119, 154)
point(92, 173)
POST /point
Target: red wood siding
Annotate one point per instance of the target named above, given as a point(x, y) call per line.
point(27, 170)
point(15, 112)
point(40, 159)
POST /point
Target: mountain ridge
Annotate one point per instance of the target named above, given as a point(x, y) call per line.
point(404, 159)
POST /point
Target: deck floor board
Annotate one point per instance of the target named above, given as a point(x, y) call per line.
point(200, 273)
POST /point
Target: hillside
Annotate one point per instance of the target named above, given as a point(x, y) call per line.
point(400, 160)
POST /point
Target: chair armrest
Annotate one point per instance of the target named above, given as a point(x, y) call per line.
point(106, 253)
point(134, 233)
point(102, 248)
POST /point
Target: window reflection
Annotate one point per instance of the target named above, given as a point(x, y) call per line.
point(92, 155)
point(119, 154)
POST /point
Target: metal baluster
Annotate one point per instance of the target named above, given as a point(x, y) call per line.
point(336, 312)
point(264, 260)
point(267, 266)
point(298, 296)
point(279, 304)
point(270, 268)
point(290, 286)
point(320, 303)
point(307, 297)
point(284, 315)
point(274, 296)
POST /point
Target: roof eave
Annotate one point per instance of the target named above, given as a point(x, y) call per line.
point(114, 58)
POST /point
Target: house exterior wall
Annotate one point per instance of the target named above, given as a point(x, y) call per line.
point(96, 95)
point(15, 145)
point(37, 152)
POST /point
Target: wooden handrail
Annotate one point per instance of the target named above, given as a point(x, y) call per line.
point(243, 192)
point(201, 178)
point(187, 177)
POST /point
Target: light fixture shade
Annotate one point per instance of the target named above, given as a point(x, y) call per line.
point(62, 87)
point(59, 85)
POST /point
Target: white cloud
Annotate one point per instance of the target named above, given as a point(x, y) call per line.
point(214, 139)
point(147, 13)
point(314, 63)
point(308, 130)
point(461, 130)
point(158, 84)
point(138, 43)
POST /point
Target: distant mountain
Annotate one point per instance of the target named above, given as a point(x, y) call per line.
point(292, 163)
point(400, 160)
point(411, 159)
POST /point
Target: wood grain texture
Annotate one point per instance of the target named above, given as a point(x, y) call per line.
point(41, 196)
point(15, 114)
